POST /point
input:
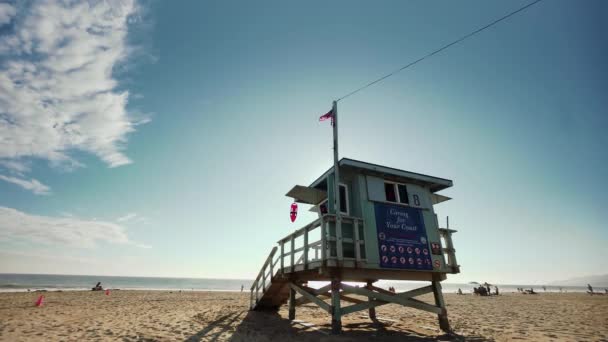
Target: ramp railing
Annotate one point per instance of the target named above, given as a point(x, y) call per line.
point(312, 246)
point(449, 250)
point(298, 252)
point(263, 280)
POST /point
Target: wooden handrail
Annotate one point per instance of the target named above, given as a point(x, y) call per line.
point(269, 259)
point(264, 277)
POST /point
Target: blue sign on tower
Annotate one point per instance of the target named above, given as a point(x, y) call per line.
point(402, 239)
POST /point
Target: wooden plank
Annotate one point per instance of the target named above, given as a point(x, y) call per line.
point(311, 297)
point(292, 252)
point(336, 314)
point(444, 324)
point(411, 293)
point(372, 310)
point(351, 299)
point(282, 256)
point(292, 304)
point(304, 300)
point(397, 299)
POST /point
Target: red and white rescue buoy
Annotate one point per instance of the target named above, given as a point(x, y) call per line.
point(293, 213)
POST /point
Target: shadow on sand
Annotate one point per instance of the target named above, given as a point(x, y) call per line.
point(271, 327)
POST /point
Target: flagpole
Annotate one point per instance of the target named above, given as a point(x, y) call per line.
point(337, 184)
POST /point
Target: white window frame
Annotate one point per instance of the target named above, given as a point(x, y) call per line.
point(396, 190)
point(347, 213)
point(318, 207)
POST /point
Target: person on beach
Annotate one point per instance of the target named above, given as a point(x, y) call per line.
point(242, 287)
point(459, 291)
point(97, 287)
point(496, 289)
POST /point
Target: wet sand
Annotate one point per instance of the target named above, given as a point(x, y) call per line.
point(224, 316)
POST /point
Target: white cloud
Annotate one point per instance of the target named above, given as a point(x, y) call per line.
point(70, 231)
point(127, 217)
point(15, 166)
point(33, 185)
point(7, 12)
point(57, 88)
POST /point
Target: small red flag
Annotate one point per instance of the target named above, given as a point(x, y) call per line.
point(40, 301)
point(328, 115)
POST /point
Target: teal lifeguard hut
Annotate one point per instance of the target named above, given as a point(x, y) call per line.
point(386, 228)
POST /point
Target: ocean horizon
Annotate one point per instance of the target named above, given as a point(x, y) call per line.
point(17, 282)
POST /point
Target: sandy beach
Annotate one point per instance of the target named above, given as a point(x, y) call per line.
point(224, 316)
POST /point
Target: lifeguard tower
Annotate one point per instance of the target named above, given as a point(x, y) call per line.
point(386, 228)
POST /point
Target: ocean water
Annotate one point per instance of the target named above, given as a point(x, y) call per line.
point(50, 282)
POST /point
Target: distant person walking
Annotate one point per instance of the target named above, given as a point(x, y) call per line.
point(590, 288)
point(242, 287)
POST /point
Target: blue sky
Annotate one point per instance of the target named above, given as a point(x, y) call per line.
point(152, 139)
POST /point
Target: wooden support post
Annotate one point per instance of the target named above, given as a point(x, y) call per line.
point(372, 310)
point(292, 304)
point(305, 249)
point(444, 324)
point(336, 314)
point(293, 243)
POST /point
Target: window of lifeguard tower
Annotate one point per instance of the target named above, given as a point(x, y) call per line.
point(344, 205)
point(396, 192)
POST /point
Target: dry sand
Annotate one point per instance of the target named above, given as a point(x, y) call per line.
point(223, 316)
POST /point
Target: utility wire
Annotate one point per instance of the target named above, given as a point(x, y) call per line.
point(439, 50)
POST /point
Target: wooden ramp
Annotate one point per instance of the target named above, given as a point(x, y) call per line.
point(275, 295)
point(269, 292)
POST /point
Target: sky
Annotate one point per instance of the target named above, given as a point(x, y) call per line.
point(150, 138)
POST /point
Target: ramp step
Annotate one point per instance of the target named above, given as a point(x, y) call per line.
point(275, 295)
